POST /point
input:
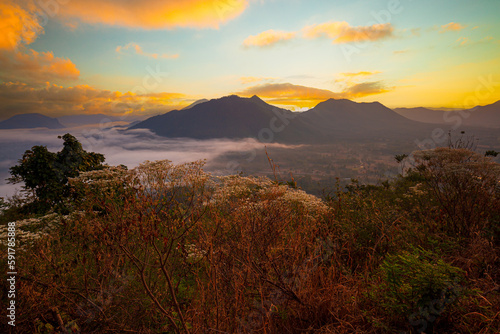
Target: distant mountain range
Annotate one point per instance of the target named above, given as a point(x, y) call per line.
point(227, 117)
point(29, 121)
point(237, 117)
point(482, 116)
point(82, 119)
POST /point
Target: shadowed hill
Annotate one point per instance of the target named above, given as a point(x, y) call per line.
point(228, 117)
point(480, 116)
point(236, 117)
point(32, 120)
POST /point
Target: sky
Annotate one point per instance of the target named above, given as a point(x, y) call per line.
point(140, 58)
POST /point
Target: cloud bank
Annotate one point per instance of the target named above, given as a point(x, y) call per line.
point(303, 96)
point(128, 148)
point(339, 32)
point(54, 100)
point(155, 14)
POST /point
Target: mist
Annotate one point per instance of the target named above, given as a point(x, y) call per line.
point(120, 147)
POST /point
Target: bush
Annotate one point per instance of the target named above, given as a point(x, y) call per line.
point(465, 184)
point(417, 286)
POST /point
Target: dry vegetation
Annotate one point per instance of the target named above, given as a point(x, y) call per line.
point(169, 248)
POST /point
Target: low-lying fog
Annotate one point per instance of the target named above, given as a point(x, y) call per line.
point(129, 148)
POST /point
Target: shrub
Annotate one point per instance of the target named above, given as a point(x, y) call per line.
point(465, 184)
point(416, 286)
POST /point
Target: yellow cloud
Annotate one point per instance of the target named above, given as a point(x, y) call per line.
point(268, 38)
point(302, 96)
point(138, 50)
point(155, 14)
point(342, 32)
point(361, 73)
point(18, 24)
point(452, 26)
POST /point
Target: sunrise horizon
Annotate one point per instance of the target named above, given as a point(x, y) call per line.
point(73, 57)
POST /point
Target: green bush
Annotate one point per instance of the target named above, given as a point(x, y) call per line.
point(416, 285)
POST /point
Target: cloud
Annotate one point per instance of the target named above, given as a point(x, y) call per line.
point(247, 80)
point(463, 40)
point(53, 100)
point(268, 38)
point(342, 32)
point(452, 26)
point(129, 148)
point(303, 96)
point(35, 67)
point(361, 73)
point(155, 14)
point(18, 23)
point(138, 50)
point(365, 89)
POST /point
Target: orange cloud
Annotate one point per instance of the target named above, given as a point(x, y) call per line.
point(155, 14)
point(139, 51)
point(452, 26)
point(36, 67)
point(19, 21)
point(268, 38)
point(301, 96)
point(18, 24)
point(54, 100)
point(463, 40)
point(342, 32)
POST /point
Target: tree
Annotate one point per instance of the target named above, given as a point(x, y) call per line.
point(45, 174)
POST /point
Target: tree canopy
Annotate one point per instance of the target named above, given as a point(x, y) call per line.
point(45, 174)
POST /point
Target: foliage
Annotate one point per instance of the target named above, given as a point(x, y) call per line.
point(46, 174)
point(172, 249)
point(415, 285)
point(466, 185)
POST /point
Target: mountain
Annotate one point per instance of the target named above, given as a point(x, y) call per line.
point(195, 103)
point(486, 116)
point(227, 117)
point(347, 119)
point(480, 116)
point(421, 114)
point(32, 120)
point(237, 117)
point(83, 119)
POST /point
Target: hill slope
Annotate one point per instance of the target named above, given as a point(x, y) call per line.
point(227, 117)
point(480, 116)
point(32, 120)
point(236, 117)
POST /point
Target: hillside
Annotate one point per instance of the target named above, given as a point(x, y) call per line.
point(236, 117)
point(227, 117)
point(480, 116)
point(31, 120)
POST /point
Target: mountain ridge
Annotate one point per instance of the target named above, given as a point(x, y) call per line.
point(30, 121)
